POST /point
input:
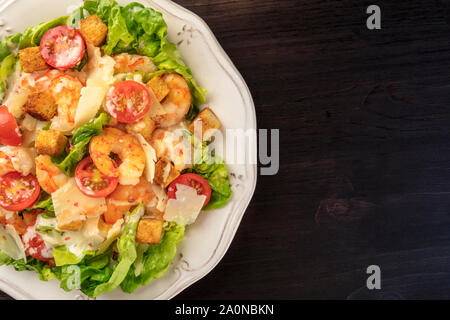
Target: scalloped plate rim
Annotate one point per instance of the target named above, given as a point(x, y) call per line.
point(187, 278)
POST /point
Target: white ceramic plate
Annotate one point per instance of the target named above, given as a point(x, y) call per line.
point(208, 239)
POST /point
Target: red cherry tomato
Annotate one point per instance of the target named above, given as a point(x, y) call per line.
point(62, 47)
point(9, 131)
point(91, 182)
point(18, 192)
point(192, 180)
point(35, 245)
point(128, 101)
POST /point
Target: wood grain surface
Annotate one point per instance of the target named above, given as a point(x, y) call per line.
point(364, 119)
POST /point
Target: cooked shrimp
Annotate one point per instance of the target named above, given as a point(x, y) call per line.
point(129, 63)
point(176, 104)
point(49, 176)
point(42, 81)
point(128, 150)
point(172, 145)
point(145, 127)
point(16, 159)
point(66, 90)
point(124, 197)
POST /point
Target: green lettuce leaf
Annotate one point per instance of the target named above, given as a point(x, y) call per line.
point(126, 244)
point(5, 50)
point(86, 275)
point(154, 262)
point(169, 60)
point(5, 259)
point(74, 19)
point(118, 38)
point(63, 256)
point(214, 170)
point(137, 29)
point(45, 203)
point(6, 69)
point(14, 39)
point(41, 267)
point(80, 140)
point(32, 36)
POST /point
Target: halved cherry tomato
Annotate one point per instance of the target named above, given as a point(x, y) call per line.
point(62, 47)
point(18, 192)
point(128, 101)
point(91, 182)
point(192, 180)
point(35, 245)
point(9, 131)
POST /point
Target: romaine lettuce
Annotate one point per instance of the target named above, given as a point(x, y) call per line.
point(44, 203)
point(6, 69)
point(126, 244)
point(74, 19)
point(32, 36)
point(137, 29)
point(155, 260)
point(92, 271)
point(5, 50)
point(63, 256)
point(41, 267)
point(214, 170)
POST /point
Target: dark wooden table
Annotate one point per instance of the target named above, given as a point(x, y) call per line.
point(364, 119)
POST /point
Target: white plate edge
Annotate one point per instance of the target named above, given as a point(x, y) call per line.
point(230, 230)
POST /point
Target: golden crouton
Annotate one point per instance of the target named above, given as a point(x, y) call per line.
point(145, 127)
point(41, 106)
point(159, 87)
point(93, 30)
point(207, 122)
point(31, 60)
point(165, 172)
point(50, 142)
point(149, 231)
point(66, 222)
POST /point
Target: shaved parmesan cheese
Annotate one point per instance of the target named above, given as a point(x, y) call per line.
point(71, 204)
point(90, 102)
point(158, 203)
point(17, 95)
point(28, 123)
point(16, 101)
point(99, 78)
point(10, 243)
point(185, 208)
point(150, 158)
point(29, 137)
point(101, 69)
